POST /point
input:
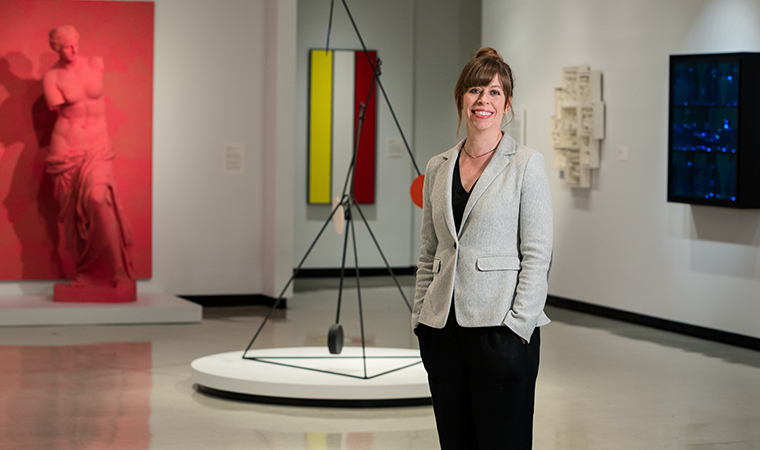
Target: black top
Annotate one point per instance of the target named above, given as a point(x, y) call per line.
point(459, 196)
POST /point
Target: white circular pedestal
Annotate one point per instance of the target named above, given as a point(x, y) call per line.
point(311, 376)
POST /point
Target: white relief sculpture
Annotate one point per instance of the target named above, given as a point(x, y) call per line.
point(587, 120)
point(584, 93)
point(569, 131)
point(570, 84)
point(578, 125)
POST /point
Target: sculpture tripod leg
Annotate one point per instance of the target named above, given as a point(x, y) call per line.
point(287, 285)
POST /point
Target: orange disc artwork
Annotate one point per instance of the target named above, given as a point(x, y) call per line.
point(416, 190)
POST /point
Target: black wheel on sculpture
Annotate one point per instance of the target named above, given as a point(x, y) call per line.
point(335, 339)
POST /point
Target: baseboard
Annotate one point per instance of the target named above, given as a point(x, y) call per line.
point(351, 272)
point(738, 340)
point(235, 300)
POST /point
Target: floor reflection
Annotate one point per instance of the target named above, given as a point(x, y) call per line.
point(75, 397)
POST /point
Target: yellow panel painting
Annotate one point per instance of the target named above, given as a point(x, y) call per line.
point(320, 126)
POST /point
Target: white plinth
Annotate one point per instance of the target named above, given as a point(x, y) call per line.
point(30, 310)
point(229, 375)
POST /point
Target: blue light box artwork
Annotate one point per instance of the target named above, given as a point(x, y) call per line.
point(708, 107)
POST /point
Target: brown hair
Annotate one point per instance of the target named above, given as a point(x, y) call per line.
point(479, 71)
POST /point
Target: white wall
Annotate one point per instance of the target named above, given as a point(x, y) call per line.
point(621, 244)
point(215, 62)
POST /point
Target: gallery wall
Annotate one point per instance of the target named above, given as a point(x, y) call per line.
point(620, 244)
point(388, 28)
point(423, 45)
point(216, 64)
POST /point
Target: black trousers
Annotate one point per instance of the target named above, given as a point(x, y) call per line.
point(483, 383)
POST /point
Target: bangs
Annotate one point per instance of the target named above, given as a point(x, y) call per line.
point(482, 74)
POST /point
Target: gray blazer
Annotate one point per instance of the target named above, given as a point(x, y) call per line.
point(496, 269)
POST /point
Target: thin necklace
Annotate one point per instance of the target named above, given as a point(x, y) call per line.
point(482, 154)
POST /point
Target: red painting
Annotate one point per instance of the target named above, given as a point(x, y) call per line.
point(32, 243)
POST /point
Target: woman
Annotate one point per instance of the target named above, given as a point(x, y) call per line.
point(482, 271)
point(81, 163)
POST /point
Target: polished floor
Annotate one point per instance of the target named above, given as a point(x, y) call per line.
point(603, 384)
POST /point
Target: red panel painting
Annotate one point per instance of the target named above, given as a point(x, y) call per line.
point(364, 178)
point(31, 244)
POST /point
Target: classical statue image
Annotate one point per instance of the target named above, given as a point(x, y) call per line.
point(80, 162)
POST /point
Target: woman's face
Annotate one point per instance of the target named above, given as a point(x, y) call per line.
point(484, 106)
point(69, 48)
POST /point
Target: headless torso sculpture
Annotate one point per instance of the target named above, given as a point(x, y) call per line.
point(80, 161)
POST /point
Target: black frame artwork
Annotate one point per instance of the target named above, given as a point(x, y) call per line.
point(713, 145)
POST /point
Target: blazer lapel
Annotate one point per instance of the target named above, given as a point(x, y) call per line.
point(451, 159)
point(498, 163)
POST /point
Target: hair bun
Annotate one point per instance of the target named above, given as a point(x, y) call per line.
point(489, 52)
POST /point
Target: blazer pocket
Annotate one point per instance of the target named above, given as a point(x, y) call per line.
point(436, 265)
point(489, 263)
